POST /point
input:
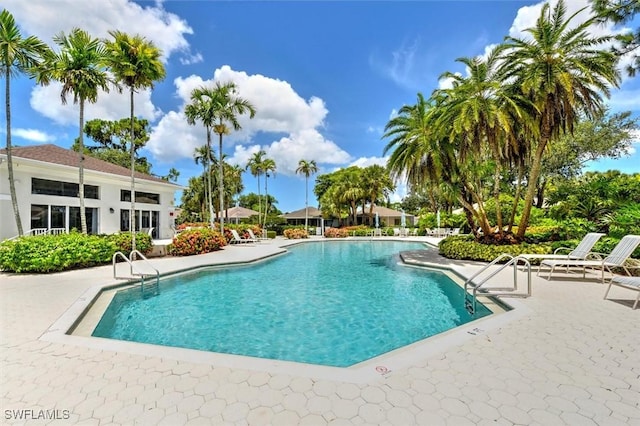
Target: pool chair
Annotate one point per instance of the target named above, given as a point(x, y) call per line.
point(253, 236)
point(582, 250)
point(632, 283)
point(617, 258)
point(237, 240)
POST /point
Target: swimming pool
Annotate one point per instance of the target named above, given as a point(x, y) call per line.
point(332, 303)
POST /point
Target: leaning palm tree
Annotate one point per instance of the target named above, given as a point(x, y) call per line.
point(268, 165)
point(254, 165)
point(564, 72)
point(80, 67)
point(307, 168)
point(135, 62)
point(18, 55)
point(226, 106)
point(201, 109)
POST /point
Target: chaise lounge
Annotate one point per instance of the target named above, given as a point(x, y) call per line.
point(617, 258)
point(582, 250)
point(632, 283)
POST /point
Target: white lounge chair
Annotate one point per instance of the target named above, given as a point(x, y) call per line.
point(581, 251)
point(237, 240)
point(632, 283)
point(253, 236)
point(617, 258)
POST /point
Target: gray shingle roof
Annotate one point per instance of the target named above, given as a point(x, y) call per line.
point(54, 154)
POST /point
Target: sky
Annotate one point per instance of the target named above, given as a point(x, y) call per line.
point(324, 76)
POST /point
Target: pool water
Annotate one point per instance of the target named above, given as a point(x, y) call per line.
point(332, 303)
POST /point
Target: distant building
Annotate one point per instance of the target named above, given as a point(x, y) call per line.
point(297, 217)
point(386, 217)
point(239, 213)
point(46, 178)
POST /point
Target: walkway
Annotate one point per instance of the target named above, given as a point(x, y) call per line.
point(563, 356)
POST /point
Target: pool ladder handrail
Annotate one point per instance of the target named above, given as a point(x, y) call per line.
point(132, 269)
point(470, 305)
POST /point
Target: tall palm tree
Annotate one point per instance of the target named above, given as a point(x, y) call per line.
point(226, 106)
point(201, 109)
point(307, 168)
point(204, 155)
point(18, 55)
point(254, 165)
point(377, 184)
point(564, 73)
point(479, 110)
point(80, 67)
point(135, 62)
point(268, 165)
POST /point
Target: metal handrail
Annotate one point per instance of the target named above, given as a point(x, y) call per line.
point(132, 269)
point(503, 291)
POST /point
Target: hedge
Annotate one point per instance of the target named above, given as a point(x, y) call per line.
point(196, 241)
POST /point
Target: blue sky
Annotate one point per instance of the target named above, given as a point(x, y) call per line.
point(325, 77)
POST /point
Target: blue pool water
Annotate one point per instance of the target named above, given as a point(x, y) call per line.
point(331, 303)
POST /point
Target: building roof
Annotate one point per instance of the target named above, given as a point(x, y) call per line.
point(239, 212)
point(54, 154)
point(300, 214)
point(386, 212)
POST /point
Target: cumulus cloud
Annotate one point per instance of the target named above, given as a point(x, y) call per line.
point(32, 135)
point(47, 18)
point(279, 110)
point(110, 106)
point(369, 161)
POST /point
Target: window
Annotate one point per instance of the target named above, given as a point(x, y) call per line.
point(49, 217)
point(91, 216)
point(62, 189)
point(141, 197)
point(39, 216)
point(143, 220)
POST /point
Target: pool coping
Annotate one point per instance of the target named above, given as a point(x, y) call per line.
point(366, 371)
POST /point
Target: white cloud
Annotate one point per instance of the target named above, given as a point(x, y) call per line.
point(32, 135)
point(635, 144)
point(110, 106)
point(279, 110)
point(47, 18)
point(369, 161)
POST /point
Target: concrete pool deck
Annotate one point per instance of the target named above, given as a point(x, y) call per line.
point(562, 356)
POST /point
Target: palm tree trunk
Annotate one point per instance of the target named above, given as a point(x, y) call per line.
point(266, 200)
point(306, 203)
point(221, 186)
point(516, 197)
point(532, 184)
point(83, 214)
point(259, 201)
point(132, 213)
point(210, 199)
point(12, 181)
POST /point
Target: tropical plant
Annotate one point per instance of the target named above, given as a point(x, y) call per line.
point(135, 62)
point(80, 67)
point(307, 168)
point(254, 165)
point(226, 106)
point(18, 55)
point(564, 74)
point(620, 12)
point(268, 165)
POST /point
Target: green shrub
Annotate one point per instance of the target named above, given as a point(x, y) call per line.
point(336, 233)
point(464, 247)
point(122, 241)
point(358, 231)
point(54, 253)
point(196, 241)
point(271, 234)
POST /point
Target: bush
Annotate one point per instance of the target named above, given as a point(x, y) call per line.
point(295, 234)
point(271, 234)
point(122, 241)
point(196, 241)
point(464, 247)
point(358, 231)
point(336, 233)
point(55, 253)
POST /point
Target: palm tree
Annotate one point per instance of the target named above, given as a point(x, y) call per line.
point(307, 168)
point(204, 155)
point(254, 165)
point(18, 55)
point(226, 106)
point(201, 108)
point(563, 73)
point(80, 67)
point(268, 165)
point(377, 184)
point(135, 62)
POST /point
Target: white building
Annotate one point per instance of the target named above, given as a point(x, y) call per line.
point(46, 179)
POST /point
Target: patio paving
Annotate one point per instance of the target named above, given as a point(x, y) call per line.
point(562, 356)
